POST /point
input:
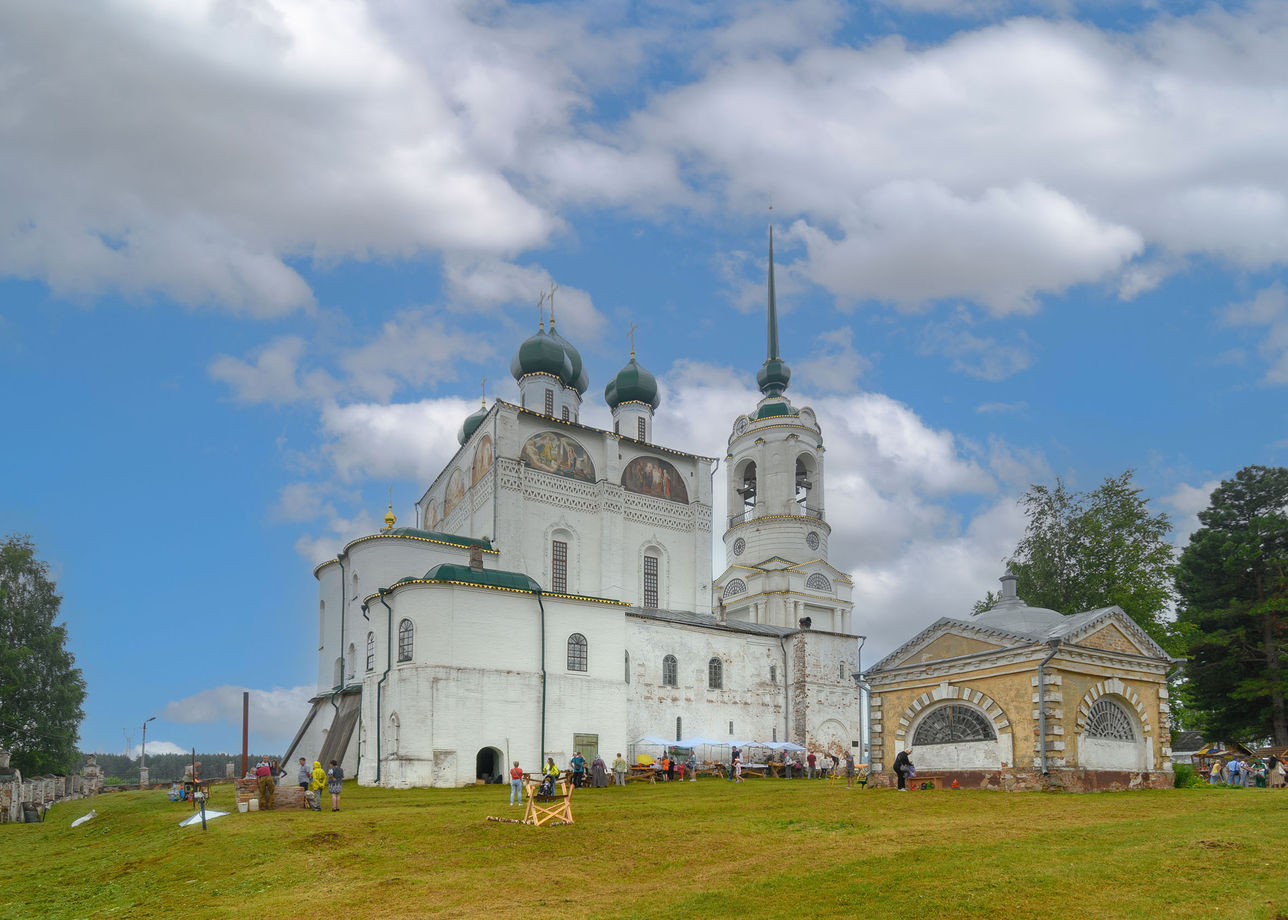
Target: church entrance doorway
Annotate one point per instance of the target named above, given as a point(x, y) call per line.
point(487, 765)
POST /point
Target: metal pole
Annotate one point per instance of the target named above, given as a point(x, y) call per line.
point(245, 729)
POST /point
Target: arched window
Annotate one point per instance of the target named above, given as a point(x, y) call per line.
point(669, 669)
point(817, 582)
point(773, 674)
point(406, 640)
point(391, 735)
point(953, 723)
point(371, 651)
point(576, 652)
point(735, 587)
point(1109, 720)
point(715, 674)
point(628, 667)
point(679, 724)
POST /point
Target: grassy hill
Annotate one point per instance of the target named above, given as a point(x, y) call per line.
point(765, 849)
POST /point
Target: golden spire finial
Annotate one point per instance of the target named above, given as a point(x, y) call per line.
point(631, 333)
point(541, 312)
point(483, 388)
point(553, 287)
point(390, 520)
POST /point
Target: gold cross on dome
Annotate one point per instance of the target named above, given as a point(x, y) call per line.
point(631, 332)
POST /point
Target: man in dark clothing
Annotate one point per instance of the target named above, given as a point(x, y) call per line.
point(902, 767)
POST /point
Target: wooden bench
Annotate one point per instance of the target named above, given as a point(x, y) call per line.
point(925, 782)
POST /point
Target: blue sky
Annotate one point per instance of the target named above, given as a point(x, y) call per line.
point(257, 256)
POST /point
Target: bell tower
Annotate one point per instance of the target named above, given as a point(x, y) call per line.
point(776, 539)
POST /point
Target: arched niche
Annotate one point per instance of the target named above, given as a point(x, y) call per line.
point(654, 476)
point(558, 454)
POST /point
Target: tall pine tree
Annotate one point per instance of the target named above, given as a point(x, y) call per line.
point(41, 690)
point(1233, 583)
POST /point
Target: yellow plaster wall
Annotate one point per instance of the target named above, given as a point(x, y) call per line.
point(1010, 689)
point(1151, 689)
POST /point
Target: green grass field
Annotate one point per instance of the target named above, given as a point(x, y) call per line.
point(766, 849)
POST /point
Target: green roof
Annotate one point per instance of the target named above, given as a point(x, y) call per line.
point(491, 578)
point(440, 537)
point(771, 410)
point(632, 382)
point(471, 424)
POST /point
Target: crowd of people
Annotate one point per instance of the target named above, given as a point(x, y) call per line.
point(1250, 772)
point(312, 780)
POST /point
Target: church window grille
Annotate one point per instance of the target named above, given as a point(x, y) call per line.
point(951, 724)
point(550, 402)
point(565, 413)
point(842, 671)
point(650, 581)
point(617, 426)
point(577, 652)
point(640, 426)
point(679, 724)
point(811, 540)
point(735, 587)
point(731, 728)
point(1108, 720)
point(628, 667)
point(559, 567)
point(406, 640)
point(739, 546)
point(773, 674)
point(775, 738)
point(817, 582)
point(715, 674)
point(669, 669)
point(371, 651)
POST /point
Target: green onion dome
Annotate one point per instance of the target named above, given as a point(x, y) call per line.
point(773, 377)
point(632, 383)
point(544, 353)
point(471, 424)
point(579, 380)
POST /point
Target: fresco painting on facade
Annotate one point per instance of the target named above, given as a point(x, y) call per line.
point(558, 454)
point(455, 492)
point(651, 476)
point(431, 516)
point(482, 460)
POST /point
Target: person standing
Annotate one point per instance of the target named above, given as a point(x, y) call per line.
point(264, 777)
point(598, 772)
point(550, 777)
point(734, 756)
point(902, 766)
point(619, 770)
point(317, 782)
point(516, 784)
point(578, 770)
point(849, 769)
point(334, 783)
point(302, 776)
point(693, 767)
point(737, 769)
point(809, 765)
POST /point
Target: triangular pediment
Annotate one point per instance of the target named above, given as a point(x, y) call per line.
point(947, 638)
point(1111, 629)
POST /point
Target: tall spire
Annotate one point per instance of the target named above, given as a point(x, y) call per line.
point(774, 373)
point(773, 306)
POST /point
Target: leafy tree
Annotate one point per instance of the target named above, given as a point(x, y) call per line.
point(41, 690)
point(1233, 583)
point(1083, 550)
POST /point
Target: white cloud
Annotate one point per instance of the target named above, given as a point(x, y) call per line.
point(834, 365)
point(1186, 501)
point(985, 358)
point(399, 441)
point(272, 375)
point(1268, 308)
point(157, 747)
point(488, 284)
point(274, 713)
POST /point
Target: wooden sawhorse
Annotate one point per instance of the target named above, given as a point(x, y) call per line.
point(548, 809)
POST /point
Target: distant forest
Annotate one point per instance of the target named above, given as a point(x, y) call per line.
point(163, 767)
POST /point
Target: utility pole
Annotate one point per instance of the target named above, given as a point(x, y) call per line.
point(143, 753)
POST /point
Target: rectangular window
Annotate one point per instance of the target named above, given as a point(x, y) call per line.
point(773, 674)
point(650, 581)
point(617, 426)
point(640, 422)
point(559, 567)
point(550, 402)
point(565, 413)
point(731, 728)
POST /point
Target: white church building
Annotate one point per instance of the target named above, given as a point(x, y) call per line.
point(557, 592)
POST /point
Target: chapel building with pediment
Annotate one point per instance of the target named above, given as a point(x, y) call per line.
point(1022, 697)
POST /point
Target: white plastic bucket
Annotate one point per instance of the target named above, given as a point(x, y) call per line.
point(254, 804)
point(243, 807)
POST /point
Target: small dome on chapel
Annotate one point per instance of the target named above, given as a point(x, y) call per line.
point(632, 383)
